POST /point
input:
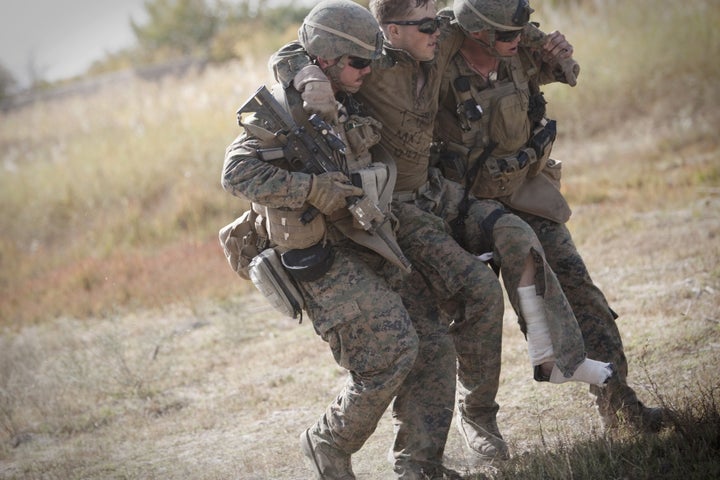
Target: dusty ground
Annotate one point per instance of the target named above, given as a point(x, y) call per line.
point(221, 391)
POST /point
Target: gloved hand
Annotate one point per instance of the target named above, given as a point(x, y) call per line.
point(316, 92)
point(329, 191)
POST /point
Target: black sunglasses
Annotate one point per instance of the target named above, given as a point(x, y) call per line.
point(507, 36)
point(359, 63)
point(424, 25)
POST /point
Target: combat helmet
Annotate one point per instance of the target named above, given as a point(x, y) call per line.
point(334, 28)
point(501, 15)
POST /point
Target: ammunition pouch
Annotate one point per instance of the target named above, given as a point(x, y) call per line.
point(362, 133)
point(271, 279)
point(541, 142)
point(451, 162)
point(285, 228)
point(501, 176)
point(241, 243)
point(308, 264)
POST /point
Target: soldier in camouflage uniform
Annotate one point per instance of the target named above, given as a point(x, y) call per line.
point(351, 304)
point(491, 102)
point(402, 92)
point(348, 294)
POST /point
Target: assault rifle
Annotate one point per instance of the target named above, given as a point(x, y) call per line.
point(315, 151)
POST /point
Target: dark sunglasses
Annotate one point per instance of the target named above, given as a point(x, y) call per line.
point(424, 25)
point(359, 63)
point(507, 36)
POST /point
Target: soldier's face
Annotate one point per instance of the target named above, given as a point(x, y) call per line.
point(352, 74)
point(504, 49)
point(421, 46)
point(345, 73)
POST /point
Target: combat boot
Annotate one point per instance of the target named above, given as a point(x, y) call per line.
point(483, 438)
point(425, 471)
point(637, 417)
point(329, 462)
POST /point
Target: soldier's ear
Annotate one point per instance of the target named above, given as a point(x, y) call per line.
point(391, 31)
point(323, 63)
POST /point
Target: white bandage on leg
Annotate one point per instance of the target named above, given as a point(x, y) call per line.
point(539, 342)
point(589, 371)
point(540, 347)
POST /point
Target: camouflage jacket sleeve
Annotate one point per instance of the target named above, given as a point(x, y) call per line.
point(245, 175)
point(288, 61)
point(545, 72)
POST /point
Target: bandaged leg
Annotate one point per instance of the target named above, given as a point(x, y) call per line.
point(540, 349)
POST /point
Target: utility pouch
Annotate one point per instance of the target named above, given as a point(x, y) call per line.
point(269, 277)
point(241, 243)
point(308, 264)
point(499, 177)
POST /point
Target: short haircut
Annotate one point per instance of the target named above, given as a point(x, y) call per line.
point(384, 10)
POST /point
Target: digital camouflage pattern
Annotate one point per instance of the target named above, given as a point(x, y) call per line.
point(491, 227)
point(595, 317)
point(370, 334)
point(472, 303)
point(472, 293)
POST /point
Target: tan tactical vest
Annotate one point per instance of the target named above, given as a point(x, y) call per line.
point(374, 170)
point(502, 107)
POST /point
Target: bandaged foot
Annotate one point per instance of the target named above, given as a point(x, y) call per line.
point(589, 371)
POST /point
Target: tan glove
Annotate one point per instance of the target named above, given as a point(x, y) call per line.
point(329, 192)
point(316, 92)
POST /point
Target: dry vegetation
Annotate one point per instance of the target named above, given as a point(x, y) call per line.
point(129, 350)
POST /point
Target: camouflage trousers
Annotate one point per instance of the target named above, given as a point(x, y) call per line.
point(594, 315)
point(370, 333)
point(470, 292)
point(423, 407)
point(489, 226)
point(470, 296)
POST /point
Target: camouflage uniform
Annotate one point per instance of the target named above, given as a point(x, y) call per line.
point(456, 277)
point(352, 307)
point(409, 123)
point(532, 191)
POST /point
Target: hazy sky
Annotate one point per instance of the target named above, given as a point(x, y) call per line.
point(61, 38)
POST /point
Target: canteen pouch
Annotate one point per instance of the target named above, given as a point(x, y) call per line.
point(540, 195)
point(269, 277)
point(308, 264)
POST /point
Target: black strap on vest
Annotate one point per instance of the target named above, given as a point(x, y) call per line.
point(458, 225)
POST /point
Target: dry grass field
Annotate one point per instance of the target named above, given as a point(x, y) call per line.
point(129, 350)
